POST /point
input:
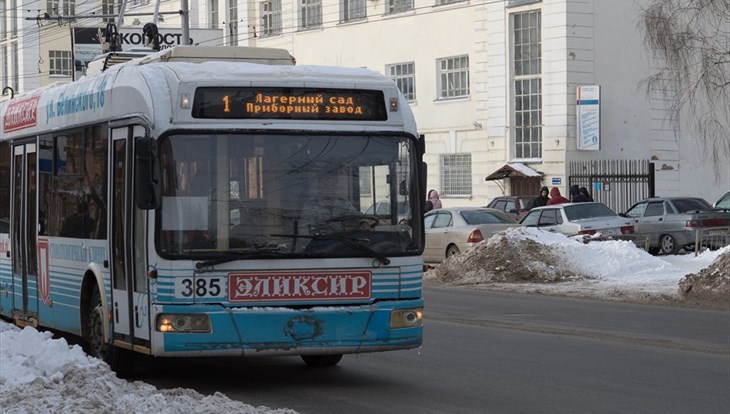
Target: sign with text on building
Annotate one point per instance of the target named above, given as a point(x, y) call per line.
point(588, 111)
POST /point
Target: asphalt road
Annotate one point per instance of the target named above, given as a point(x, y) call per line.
point(488, 352)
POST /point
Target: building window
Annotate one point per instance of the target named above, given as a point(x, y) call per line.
point(16, 67)
point(109, 7)
point(352, 10)
point(61, 7)
point(453, 76)
point(3, 18)
point(213, 14)
point(60, 61)
point(366, 181)
point(232, 22)
point(404, 75)
point(398, 6)
point(270, 17)
point(456, 175)
point(311, 14)
point(527, 60)
point(69, 7)
point(442, 2)
point(13, 18)
point(5, 68)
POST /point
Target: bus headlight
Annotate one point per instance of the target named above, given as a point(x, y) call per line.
point(406, 318)
point(187, 323)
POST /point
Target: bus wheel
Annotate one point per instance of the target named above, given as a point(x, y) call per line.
point(120, 361)
point(322, 360)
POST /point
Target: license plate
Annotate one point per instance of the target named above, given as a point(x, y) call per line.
point(609, 232)
point(299, 286)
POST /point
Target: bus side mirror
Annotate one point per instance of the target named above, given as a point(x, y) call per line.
point(147, 174)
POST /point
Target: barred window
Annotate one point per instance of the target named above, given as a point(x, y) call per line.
point(60, 61)
point(310, 14)
point(456, 174)
point(453, 76)
point(353, 10)
point(527, 82)
point(270, 17)
point(398, 6)
point(404, 75)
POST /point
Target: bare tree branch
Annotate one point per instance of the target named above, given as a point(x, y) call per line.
point(691, 40)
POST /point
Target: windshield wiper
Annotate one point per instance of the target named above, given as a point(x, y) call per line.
point(231, 257)
point(352, 242)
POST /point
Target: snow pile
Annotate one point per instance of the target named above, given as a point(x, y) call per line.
point(39, 374)
point(530, 260)
point(711, 286)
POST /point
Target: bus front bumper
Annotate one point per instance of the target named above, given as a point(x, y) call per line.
point(253, 331)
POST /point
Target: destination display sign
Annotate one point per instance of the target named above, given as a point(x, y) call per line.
point(289, 103)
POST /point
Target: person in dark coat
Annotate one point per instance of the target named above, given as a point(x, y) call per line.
point(587, 195)
point(575, 195)
point(556, 197)
point(429, 206)
point(540, 200)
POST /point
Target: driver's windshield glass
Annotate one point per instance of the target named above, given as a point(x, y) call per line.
point(286, 195)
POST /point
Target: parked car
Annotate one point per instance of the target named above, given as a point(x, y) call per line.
point(723, 202)
point(671, 223)
point(515, 206)
point(453, 230)
point(574, 219)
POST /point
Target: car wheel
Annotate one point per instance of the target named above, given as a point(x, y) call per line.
point(452, 251)
point(653, 251)
point(321, 360)
point(668, 245)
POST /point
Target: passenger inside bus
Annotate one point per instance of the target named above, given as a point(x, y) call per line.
point(80, 224)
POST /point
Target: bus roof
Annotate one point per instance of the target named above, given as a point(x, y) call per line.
point(153, 87)
point(194, 54)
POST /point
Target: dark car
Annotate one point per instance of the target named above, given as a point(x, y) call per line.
point(515, 206)
point(672, 223)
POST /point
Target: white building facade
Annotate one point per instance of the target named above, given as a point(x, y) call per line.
point(492, 83)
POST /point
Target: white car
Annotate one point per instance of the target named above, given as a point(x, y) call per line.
point(574, 219)
point(455, 229)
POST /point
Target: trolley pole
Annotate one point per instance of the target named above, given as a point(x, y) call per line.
point(185, 22)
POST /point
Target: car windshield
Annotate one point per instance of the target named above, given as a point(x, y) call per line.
point(485, 217)
point(253, 196)
point(689, 204)
point(582, 211)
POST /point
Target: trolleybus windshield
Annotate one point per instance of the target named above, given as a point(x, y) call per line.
point(239, 196)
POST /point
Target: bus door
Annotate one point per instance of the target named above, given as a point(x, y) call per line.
point(24, 227)
point(130, 298)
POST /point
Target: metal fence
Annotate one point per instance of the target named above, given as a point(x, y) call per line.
point(712, 238)
point(616, 183)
